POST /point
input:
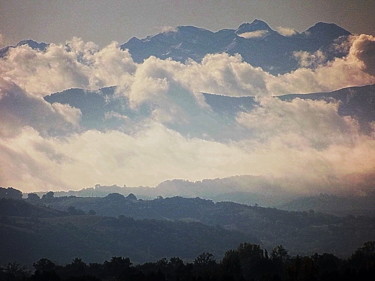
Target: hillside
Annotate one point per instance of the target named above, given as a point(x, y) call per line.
point(97, 106)
point(256, 42)
point(298, 231)
point(20, 208)
point(25, 238)
point(336, 205)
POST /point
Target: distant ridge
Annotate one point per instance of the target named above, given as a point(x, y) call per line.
point(256, 42)
point(254, 26)
point(31, 43)
point(358, 102)
point(273, 51)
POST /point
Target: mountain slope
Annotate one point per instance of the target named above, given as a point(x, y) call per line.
point(99, 108)
point(358, 102)
point(21, 208)
point(31, 43)
point(256, 42)
point(333, 204)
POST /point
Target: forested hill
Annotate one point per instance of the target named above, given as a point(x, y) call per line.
point(300, 232)
point(30, 232)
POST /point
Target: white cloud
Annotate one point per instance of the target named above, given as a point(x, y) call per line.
point(300, 123)
point(307, 59)
point(146, 158)
point(167, 29)
point(19, 109)
point(149, 82)
point(309, 147)
point(363, 50)
point(115, 115)
point(286, 31)
point(60, 67)
point(253, 34)
point(351, 70)
point(320, 154)
point(70, 114)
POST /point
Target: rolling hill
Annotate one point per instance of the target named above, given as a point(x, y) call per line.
point(29, 233)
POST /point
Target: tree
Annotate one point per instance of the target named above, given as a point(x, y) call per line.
point(175, 268)
point(117, 266)
point(205, 266)
point(231, 263)
point(14, 271)
point(176, 262)
point(77, 266)
point(368, 248)
point(204, 259)
point(247, 262)
point(44, 265)
point(45, 270)
point(14, 193)
point(75, 212)
point(10, 193)
point(115, 197)
point(131, 196)
point(250, 251)
point(48, 196)
point(33, 197)
point(279, 253)
point(364, 257)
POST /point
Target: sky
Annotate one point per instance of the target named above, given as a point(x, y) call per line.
point(305, 146)
point(105, 21)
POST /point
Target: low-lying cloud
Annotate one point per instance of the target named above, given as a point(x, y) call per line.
point(19, 109)
point(253, 34)
point(286, 31)
point(84, 65)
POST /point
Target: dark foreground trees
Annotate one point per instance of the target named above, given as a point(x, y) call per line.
point(247, 262)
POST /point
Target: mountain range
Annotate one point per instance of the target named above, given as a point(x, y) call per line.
point(256, 42)
point(99, 108)
point(248, 190)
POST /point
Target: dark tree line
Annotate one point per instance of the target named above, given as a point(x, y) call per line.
point(10, 193)
point(248, 262)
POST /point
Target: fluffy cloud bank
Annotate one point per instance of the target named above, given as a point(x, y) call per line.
point(301, 160)
point(75, 64)
point(83, 65)
point(152, 154)
point(308, 141)
point(286, 31)
point(305, 145)
point(19, 109)
point(352, 70)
